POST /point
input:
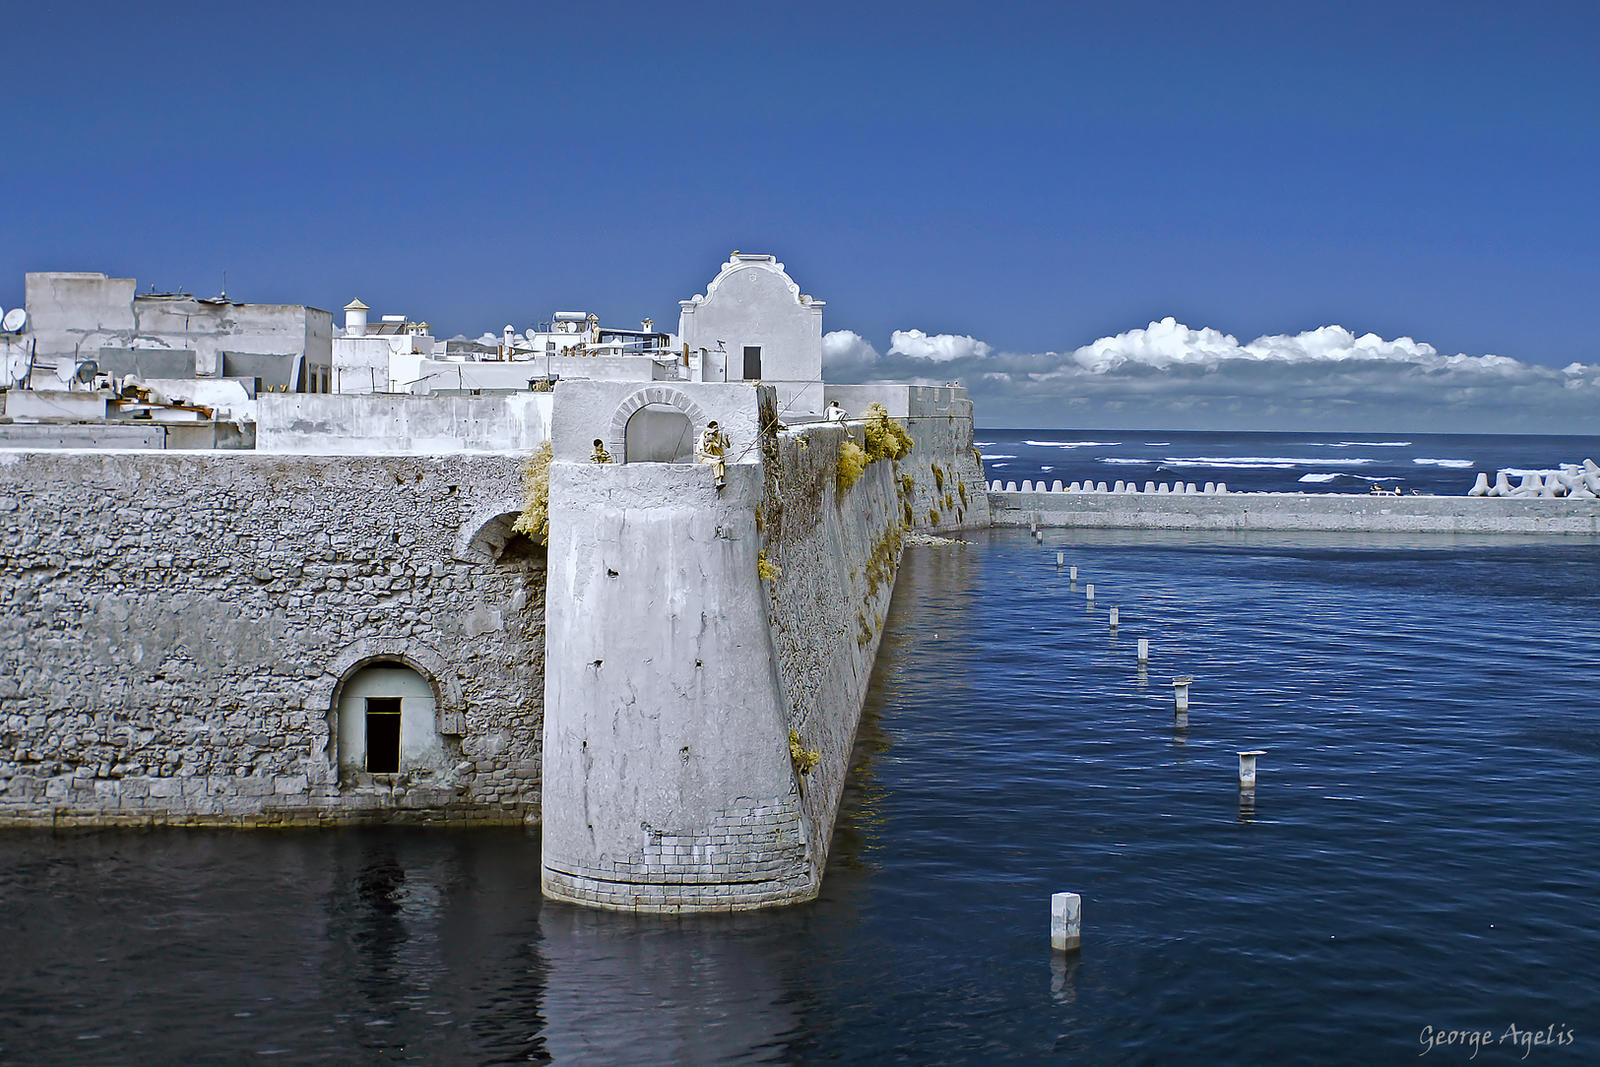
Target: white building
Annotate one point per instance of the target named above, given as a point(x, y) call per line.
point(754, 323)
point(381, 357)
point(75, 318)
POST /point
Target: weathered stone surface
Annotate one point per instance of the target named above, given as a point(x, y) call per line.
point(175, 627)
point(702, 632)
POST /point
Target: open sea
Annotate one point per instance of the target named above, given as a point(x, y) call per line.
point(1421, 856)
point(1440, 464)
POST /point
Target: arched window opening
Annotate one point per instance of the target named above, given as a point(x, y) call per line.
point(659, 433)
point(387, 722)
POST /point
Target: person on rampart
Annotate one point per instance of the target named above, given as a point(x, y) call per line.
point(713, 449)
point(836, 412)
point(600, 454)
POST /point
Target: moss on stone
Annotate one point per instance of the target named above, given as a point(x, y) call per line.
point(886, 438)
point(534, 522)
point(852, 464)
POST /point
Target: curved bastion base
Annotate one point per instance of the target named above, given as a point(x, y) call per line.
point(710, 647)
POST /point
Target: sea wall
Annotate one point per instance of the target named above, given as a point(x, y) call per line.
point(710, 648)
point(179, 630)
point(947, 490)
point(1297, 511)
point(667, 779)
point(835, 555)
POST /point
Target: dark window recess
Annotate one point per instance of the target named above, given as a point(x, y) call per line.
point(752, 362)
point(383, 735)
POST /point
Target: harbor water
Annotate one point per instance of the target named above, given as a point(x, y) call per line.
point(1420, 856)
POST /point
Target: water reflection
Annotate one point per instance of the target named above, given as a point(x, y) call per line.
point(1247, 805)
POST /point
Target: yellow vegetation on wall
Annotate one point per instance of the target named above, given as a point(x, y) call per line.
point(534, 521)
point(767, 570)
point(803, 758)
point(852, 464)
point(886, 438)
point(880, 565)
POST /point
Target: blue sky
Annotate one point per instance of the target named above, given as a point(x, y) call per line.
point(1035, 178)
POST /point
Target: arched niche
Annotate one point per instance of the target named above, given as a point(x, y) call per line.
point(387, 722)
point(651, 396)
point(659, 433)
point(448, 707)
point(487, 536)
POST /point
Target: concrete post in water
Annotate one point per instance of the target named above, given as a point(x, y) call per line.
point(1180, 702)
point(1066, 921)
point(1061, 560)
point(1113, 618)
point(1144, 650)
point(1089, 592)
point(1247, 767)
point(1072, 573)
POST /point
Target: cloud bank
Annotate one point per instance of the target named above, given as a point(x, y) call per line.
point(1170, 375)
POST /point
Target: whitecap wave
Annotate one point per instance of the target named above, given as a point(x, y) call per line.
point(1270, 462)
point(1455, 463)
point(998, 455)
point(1360, 444)
point(1320, 477)
point(1073, 444)
point(1157, 444)
point(1128, 462)
point(980, 444)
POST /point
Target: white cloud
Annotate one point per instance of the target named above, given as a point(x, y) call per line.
point(847, 348)
point(1168, 374)
point(937, 348)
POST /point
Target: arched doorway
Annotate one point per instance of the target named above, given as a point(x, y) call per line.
point(659, 433)
point(387, 722)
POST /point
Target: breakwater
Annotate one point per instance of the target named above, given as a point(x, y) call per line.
point(1296, 511)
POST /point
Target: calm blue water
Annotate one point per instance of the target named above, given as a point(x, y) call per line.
point(1442, 464)
point(1423, 850)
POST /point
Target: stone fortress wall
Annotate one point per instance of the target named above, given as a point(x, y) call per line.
point(178, 628)
point(710, 648)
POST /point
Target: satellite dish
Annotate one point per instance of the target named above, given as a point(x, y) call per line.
point(15, 320)
point(86, 371)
